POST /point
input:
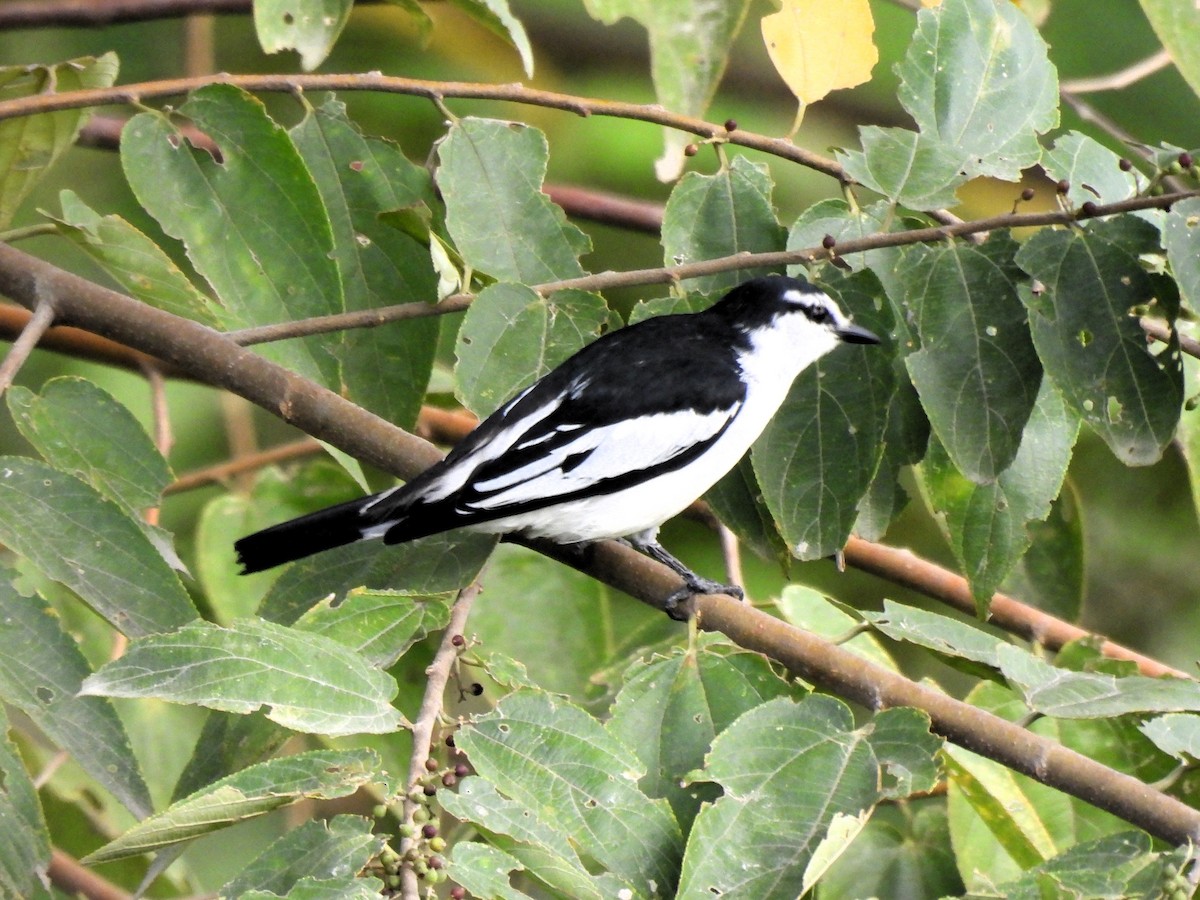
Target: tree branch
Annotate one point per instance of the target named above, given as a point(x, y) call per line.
point(779, 259)
point(207, 354)
point(437, 677)
point(911, 571)
point(1123, 78)
point(97, 13)
point(437, 91)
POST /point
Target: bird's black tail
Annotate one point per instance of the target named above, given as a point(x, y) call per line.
point(322, 530)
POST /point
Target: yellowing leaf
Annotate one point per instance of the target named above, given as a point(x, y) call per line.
point(819, 46)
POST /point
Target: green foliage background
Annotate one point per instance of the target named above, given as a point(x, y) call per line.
point(597, 831)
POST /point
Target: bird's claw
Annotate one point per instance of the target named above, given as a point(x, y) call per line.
point(680, 606)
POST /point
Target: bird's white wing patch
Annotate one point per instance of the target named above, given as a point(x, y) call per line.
point(456, 476)
point(602, 453)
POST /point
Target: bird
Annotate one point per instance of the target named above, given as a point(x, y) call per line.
point(621, 436)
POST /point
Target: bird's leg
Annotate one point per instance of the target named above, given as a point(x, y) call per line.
point(675, 605)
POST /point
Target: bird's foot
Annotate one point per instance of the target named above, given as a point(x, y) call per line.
point(680, 606)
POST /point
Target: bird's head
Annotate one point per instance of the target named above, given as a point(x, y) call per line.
point(791, 305)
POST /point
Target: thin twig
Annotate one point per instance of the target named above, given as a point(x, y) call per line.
point(669, 274)
point(731, 553)
point(222, 472)
point(39, 323)
point(430, 90)
point(905, 568)
point(164, 439)
point(75, 880)
point(1122, 78)
point(78, 343)
point(437, 676)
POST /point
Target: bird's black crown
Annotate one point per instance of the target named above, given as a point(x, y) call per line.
point(756, 303)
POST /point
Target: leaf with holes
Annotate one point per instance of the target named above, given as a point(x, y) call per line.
point(1087, 334)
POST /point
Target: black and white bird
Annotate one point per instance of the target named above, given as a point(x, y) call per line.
point(619, 438)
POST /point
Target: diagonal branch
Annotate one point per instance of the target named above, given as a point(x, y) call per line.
point(213, 357)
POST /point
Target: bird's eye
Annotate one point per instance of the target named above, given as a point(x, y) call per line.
point(819, 314)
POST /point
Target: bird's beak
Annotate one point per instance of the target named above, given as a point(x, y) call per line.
point(854, 334)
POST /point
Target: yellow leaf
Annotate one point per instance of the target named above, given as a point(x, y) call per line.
point(819, 46)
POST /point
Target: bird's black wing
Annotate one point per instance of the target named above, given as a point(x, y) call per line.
point(639, 402)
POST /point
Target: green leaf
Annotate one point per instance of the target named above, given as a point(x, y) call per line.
point(310, 27)
point(976, 372)
point(906, 751)
point(274, 497)
point(561, 624)
point(78, 538)
point(29, 145)
point(227, 743)
point(1177, 24)
point(709, 216)
point(690, 42)
point(1177, 734)
point(320, 775)
point(907, 431)
point(497, 17)
point(25, 850)
point(943, 635)
point(1089, 339)
point(787, 769)
point(903, 853)
point(977, 79)
point(380, 626)
point(1117, 865)
point(484, 871)
point(1181, 239)
point(360, 179)
point(811, 610)
point(1051, 574)
point(253, 222)
point(914, 170)
point(835, 219)
point(820, 452)
point(1029, 821)
point(511, 336)
point(542, 850)
point(738, 502)
point(670, 709)
point(432, 565)
point(1091, 170)
point(1002, 822)
point(134, 261)
point(344, 888)
point(581, 781)
point(40, 673)
point(301, 681)
point(79, 428)
point(987, 525)
point(905, 441)
point(1092, 695)
point(340, 847)
point(491, 176)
